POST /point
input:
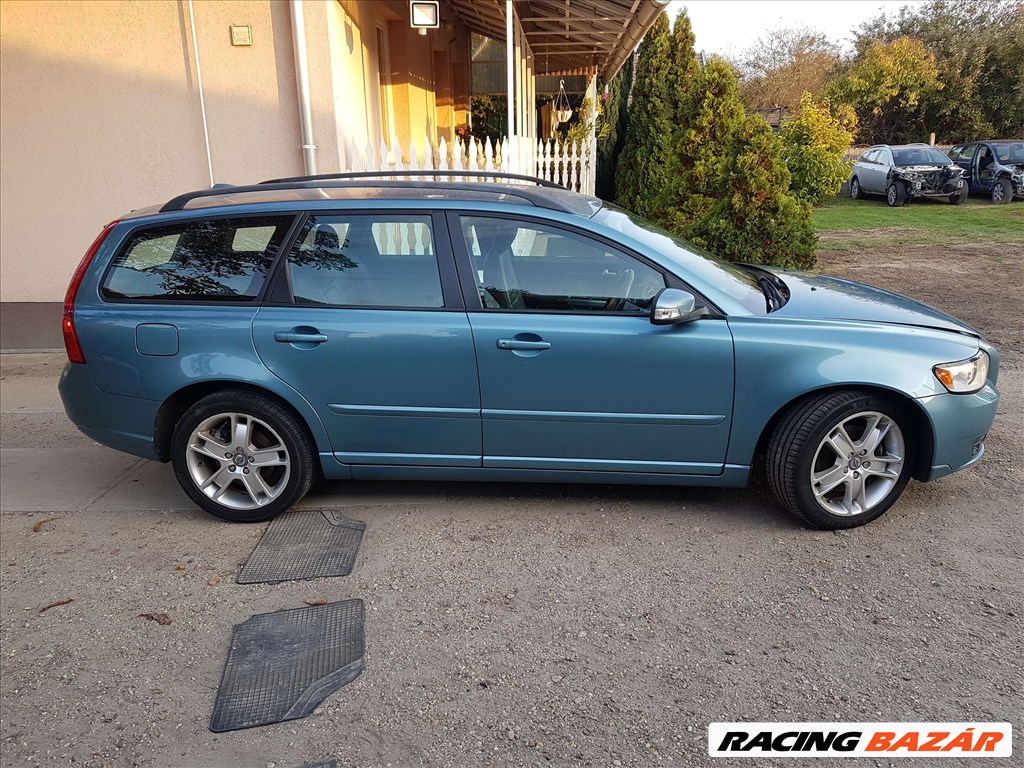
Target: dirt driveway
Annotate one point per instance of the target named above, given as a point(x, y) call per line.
point(517, 625)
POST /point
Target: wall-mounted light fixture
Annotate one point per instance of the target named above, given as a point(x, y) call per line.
point(424, 15)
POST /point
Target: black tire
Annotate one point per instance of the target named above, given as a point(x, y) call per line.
point(958, 197)
point(856, 192)
point(798, 441)
point(294, 475)
point(1002, 192)
point(896, 194)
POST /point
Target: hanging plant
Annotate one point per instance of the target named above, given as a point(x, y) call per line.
point(563, 110)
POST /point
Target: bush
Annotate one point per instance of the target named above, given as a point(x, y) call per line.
point(757, 221)
point(814, 144)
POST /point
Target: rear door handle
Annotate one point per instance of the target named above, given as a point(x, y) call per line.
point(291, 337)
point(519, 344)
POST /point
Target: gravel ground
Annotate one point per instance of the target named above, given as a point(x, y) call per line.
point(531, 625)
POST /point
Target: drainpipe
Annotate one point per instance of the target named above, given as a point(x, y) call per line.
point(199, 84)
point(302, 80)
point(510, 77)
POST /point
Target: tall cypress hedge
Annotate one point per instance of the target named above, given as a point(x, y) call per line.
point(643, 164)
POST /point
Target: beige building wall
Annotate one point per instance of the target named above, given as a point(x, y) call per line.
point(100, 114)
point(99, 110)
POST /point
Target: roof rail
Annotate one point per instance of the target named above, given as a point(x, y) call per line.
point(344, 180)
point(414, 174)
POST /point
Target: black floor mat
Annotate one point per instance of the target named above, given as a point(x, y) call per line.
point(304, 544)
point(283, 664)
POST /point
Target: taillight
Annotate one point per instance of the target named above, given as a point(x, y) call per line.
point(71, 344)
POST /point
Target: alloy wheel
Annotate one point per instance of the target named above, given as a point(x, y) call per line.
point(238, 461)
point(858, 463)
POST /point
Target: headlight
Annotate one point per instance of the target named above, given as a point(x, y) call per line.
point(965, 376)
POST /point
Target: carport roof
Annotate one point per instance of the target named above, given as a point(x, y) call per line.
point(569, 36)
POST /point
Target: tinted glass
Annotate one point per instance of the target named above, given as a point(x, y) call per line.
point(530, 266)
point(871, 156)
point(212, 260)
point(372, 260)
point(687, 257)
point(962, 153)
point(1011, 153)
point(919, 156)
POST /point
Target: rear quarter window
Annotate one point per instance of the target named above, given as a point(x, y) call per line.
point(207, 260)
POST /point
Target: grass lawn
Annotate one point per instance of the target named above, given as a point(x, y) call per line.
point(844, 224)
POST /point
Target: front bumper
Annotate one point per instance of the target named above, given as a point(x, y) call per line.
point(945, 189)
point(116, 421)
point(959, 426)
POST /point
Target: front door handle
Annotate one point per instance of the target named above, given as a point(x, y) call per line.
point(521, 344)
point(300, 337)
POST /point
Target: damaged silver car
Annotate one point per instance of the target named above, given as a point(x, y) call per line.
point(905, 171)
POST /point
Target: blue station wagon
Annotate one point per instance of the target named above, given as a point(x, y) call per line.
point(348, 327)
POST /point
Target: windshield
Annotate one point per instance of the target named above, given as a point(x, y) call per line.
point(737, 284)
point(919, 156)
point(1010, 153)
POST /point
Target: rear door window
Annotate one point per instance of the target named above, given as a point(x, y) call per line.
point(366, 260)
point(209, 260)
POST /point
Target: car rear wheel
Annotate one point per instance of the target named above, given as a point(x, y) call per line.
point(241, 456)
point(1002, 191)
point(896, 194)
point(856, 193)
point(840, 460)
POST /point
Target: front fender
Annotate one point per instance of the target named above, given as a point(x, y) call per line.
point(779, 360)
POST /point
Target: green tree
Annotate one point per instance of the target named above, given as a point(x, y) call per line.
point(978, 46)
point(616, 118)
point(730, 192)
point(814, 145)
point(705, 124)
point(682, 66)
point(885, 85)
point(758, 221)
point(784, 64)
point(642, 168)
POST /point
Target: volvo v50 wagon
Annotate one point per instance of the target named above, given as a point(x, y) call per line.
point(358, 328)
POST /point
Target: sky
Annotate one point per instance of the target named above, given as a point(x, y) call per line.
point(727, 27)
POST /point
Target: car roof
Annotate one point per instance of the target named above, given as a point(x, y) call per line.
point(505, 188)
point(916, 145)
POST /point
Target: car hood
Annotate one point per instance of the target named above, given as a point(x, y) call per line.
point(832, 298)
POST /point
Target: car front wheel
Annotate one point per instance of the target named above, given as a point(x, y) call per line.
point(242, 456)
point(896, 194)
point(840, 460)
point(1002, 191)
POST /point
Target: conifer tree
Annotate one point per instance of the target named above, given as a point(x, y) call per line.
point(643, 167)
point(611, 142)
point(757, 220)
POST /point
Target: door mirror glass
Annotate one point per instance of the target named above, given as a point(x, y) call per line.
point(673, 306)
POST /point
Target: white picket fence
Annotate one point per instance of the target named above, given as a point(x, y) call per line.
point(573, 165)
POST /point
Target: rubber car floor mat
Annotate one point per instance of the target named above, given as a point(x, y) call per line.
point(281, 665)
point(304, 544)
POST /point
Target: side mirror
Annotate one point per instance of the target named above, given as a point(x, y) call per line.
point(672, 306)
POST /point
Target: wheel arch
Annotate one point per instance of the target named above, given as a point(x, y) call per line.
point(179, 401)
point(924, 436)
